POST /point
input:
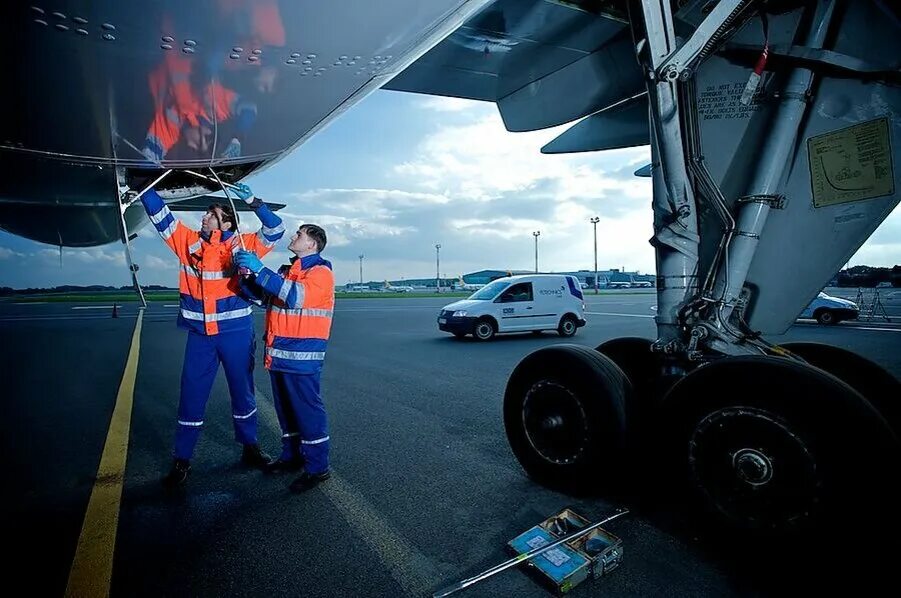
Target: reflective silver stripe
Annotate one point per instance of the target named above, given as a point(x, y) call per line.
point(317, 441)
point(191, 424)
point(214, 275)
point(189, 271)
point(290, 435)
point(266, 242)
point(245, 416)
point(301, 293)
point(322, 313)
point(230, 315)
point(296, 355)
point(273, 231)
point(286, 288)
point(191, 315)
point(161, 215)
point(226, 315)
point(194, 248)
point(165, 234)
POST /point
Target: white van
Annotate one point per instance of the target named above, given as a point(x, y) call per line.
point(527, 303)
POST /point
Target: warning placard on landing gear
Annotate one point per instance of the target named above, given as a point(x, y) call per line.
point(851, 164)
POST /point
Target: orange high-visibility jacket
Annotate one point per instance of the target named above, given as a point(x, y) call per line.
point(299, 317)
point(208, 283)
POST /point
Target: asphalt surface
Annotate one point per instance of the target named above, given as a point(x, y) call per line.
point(425, 490)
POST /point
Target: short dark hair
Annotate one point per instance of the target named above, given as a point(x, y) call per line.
point(228, 215)
point(317, 233)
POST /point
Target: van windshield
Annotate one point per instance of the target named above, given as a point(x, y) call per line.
point(490, 291)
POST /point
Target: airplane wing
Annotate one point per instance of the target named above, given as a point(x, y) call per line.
point(527, 57)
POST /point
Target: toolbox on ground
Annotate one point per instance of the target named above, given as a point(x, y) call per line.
point(564, 567)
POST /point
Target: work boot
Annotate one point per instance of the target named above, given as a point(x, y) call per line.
point(308, 481)
point(178, 475)
point(284, 465)
point(252, 456)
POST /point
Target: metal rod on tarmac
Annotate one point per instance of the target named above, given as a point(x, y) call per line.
point(524, 557)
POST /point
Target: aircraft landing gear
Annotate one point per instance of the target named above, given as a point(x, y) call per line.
point(750, 446)
point(768, 446)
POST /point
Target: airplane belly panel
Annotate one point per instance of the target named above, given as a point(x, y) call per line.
point(59, 203)
point(200, 82)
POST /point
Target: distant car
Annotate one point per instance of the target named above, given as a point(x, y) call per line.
point(642, 284)
point(584, 285)
point(827, 309)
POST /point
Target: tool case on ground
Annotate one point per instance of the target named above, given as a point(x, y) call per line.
point(562, 568)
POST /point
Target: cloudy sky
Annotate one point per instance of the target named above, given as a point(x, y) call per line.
point(401, 172)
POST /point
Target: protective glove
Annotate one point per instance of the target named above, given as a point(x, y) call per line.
point(249, 260)
point(152, 156)
point(232, 150)
point(244, 192)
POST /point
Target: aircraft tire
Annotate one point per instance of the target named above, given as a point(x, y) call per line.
point(767, 447)
point(564, 413)
point(876, 384)
point(634, 357)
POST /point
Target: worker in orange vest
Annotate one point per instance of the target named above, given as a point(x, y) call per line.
point(301, 301)
point(218, 319)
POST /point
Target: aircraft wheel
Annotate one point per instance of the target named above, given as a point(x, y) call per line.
point(565, 418)
point(766, 446)
point(644, 369)
point(642, 366)
point(876, 384)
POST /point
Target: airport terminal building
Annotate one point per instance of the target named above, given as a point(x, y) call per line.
point(610, 278)
point(605, 277)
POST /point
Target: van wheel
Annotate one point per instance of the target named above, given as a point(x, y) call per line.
point(826, 317)
point(484, 330)
point(565, 419)
point(567, 326)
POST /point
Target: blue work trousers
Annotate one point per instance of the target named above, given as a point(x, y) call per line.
point(203, 354)
point(301, 415)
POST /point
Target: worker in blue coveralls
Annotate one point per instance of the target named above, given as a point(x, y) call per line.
point(218, 320)
point(301, 301)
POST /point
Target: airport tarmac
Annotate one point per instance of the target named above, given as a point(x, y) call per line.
point(425, 490)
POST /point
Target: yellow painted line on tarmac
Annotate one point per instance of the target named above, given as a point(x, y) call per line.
point(92, 567)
